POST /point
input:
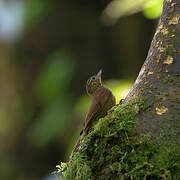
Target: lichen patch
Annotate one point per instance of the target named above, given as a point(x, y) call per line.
point(150, 73)
point(113, 150)
point(174, 20)
point(164, 31)
point(162, 49)
point(159, 29)
point(158, 76)
point(173, 4)
point(158, 58)
point(160, 110)
point(160, 26)
point(169, 60)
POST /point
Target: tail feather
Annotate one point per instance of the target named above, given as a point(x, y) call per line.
point(75, 148)
point(77, 145)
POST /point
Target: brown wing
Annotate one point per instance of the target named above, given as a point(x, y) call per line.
point(104, 96)
point(102, 101)
point(92, 113)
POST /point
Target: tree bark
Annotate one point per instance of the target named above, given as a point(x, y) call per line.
point(140, 140)
point(159, 78)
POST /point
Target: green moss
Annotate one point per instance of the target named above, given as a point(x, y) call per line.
point(113, 150)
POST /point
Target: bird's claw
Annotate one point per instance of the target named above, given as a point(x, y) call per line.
point(113, 108)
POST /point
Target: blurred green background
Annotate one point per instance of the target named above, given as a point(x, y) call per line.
point(48, 49)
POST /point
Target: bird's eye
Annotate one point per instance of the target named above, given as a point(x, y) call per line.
point(93, 78)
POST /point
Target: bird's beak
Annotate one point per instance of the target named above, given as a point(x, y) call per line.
point(99, 74)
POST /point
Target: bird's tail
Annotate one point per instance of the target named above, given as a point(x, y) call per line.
point(77, 145)
point(75, 149)
point(78, 142)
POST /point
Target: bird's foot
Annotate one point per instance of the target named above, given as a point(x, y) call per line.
point(113, 108)
point(121, 101)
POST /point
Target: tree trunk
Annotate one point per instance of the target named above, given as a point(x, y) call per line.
point(159, 78)
point(140, 140)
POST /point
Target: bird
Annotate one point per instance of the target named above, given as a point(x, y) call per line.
point(102, 100)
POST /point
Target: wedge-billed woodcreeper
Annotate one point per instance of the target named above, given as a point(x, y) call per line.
point(102, 101)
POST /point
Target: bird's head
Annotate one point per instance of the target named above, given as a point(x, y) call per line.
point(93, 83)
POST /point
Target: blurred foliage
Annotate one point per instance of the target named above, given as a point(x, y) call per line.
point(118, 8)
point(52, 122)
point(52, 92)
point(35, 10)
point(55, 76)
point(10, 113)
point(153, 8)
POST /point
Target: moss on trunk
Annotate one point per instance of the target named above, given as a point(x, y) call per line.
point(114, 150)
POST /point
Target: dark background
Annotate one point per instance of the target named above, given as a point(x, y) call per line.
point(44, 64)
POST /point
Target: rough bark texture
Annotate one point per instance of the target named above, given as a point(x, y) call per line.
point(159, 78)
point(140, 140)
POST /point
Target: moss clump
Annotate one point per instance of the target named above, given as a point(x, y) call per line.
point(113, 150)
